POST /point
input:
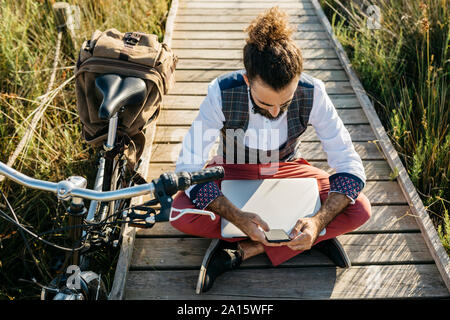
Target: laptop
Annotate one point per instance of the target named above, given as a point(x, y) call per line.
point(279, 202)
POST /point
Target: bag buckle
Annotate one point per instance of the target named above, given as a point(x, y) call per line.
point(132, 38)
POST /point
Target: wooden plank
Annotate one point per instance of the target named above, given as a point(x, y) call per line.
point(209, 75)
point(368, 282)
point(375, 169)
point(236, 26)
point(233, 35)
point(384, 219)
point(384, 192)
point(239, 44)
point(236, 54)
point(193, 64)
point(187, 253)
point(310, 151)
point(186, 117)
point(243, 5)
point(201, 88)
point(358, 133)
point(193, 102)
point(389, 218)
point(426, 225)
point(304, 16)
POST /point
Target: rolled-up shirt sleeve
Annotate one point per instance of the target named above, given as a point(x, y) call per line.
point(350, 177)
point(198, 143)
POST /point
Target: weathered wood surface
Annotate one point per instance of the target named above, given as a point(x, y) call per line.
point(174, 133)
point(242, 5)
point(239, 44)
point(390, 257)
point(385, 219)
point(208, 54)
point(358, 282)
point(388, 248)
point(214, 27)
point(196, 64)
point(230, 35)
point(297, 16)
point(193, 102)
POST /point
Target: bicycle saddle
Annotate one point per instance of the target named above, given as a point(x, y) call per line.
point(118, 91)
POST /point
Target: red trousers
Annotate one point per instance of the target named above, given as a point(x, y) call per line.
point(352, 217)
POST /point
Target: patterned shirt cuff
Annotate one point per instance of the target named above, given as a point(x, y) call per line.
point(203, 194)
point(346, 183)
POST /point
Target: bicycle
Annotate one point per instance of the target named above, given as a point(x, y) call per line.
point(110, 206)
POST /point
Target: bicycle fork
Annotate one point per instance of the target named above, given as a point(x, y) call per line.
point(77, 212)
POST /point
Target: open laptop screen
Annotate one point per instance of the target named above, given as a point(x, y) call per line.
point(279, 202)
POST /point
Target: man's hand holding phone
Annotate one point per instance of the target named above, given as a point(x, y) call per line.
point(304, 234)
point(277, 236)
point(252, 225)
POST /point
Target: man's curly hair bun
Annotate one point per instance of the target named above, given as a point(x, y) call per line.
point(270, 53)
point(269, 27)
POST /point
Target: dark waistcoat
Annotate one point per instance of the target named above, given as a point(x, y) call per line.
point(235, 107)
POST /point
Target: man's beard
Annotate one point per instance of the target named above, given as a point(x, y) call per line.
point(267, 114)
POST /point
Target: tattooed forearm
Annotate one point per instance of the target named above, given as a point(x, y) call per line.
point(224, 208)
point(335, 203)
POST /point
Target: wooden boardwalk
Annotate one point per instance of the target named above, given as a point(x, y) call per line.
point(389, 254)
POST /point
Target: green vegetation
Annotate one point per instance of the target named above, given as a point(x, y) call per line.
point(404, 67)
point(56, 151)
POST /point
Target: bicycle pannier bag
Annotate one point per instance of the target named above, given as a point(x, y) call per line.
point(133, 54)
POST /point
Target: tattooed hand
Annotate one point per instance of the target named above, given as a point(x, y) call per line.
point(306, 230)
point(248, 222)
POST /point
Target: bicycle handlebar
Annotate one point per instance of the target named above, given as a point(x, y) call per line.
point(207, 175)
point(66, 189)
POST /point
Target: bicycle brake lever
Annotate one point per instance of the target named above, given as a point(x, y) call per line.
point(142, 220)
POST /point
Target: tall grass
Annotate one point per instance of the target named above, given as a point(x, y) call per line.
point(404, 67)
point(56, 151)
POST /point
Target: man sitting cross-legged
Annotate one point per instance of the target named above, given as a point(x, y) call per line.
point(271, 103)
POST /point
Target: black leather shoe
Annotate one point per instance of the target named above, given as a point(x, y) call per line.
point(221, 256)
point(333, 249)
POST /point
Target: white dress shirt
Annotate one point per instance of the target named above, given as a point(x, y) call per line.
point(265, 134)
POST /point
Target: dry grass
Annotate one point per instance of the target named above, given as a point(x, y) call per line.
point(404, 66)
point(56, 150)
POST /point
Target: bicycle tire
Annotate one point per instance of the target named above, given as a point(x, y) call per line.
point(114, 179)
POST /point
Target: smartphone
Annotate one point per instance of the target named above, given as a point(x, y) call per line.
point(277, 235)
